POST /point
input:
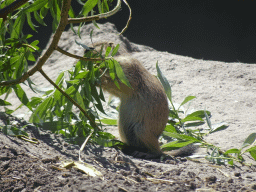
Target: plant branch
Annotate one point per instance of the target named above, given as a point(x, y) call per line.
point(10, 8)
point(69, 98)
point(78, 57)
point(96, 17)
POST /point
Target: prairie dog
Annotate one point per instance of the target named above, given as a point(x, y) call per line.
point(143, 111)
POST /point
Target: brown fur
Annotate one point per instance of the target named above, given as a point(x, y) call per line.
point(143, 112)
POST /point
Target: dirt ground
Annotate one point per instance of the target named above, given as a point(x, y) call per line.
point(226, 89)
point(25, 166)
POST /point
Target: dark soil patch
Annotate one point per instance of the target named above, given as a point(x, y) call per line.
point(33, 167)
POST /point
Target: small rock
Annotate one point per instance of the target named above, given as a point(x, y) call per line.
point(211, 179)
point(237, 174)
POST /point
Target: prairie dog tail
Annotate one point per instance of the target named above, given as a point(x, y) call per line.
point(184, 151)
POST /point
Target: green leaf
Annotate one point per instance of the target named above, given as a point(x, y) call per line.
point(107, 51)
point(60, 78)
point(194, 124)
point(120, 74)
point(79, 100)
point(170, 128)
point(30, 23)
point(175, 145)
point(97, 98)
point(39, 19)
point(249, 140)
point(14, 59)
point(95, 24)
point(191, 118)
point(71, 13)
point(55, 12)
point(111, 69)
point(40, 112)
point(187, 99)
point(251, 149)
point(70, 91)
point(17, 26)
point(231, 162)
point(36, 5)
point(34, 43)
point(208, 120)
point(173, 115)
point(82, 75)
point(164, 82)
point(221, 127)
point(35, 101)
point(31, 56)
point(8, 111)
point(88, 6)
point(115, 50)
point(30, 84)
point(181, 137)
point(237, 151)
point(4, 103)
point(252, 152)
point(43, 11)
point(87, 90)
point(21, 95)
point(112, 72)
point(74, 82)
point(102, 95)
point(109, 121)
point(200, 113)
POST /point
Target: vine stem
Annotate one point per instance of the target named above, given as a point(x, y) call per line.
point(69, 98)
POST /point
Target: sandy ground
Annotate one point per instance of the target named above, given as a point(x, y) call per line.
point(227, 90)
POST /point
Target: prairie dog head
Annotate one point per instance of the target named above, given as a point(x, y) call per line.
point(105, 44)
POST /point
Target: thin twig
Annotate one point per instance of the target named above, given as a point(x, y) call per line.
point(69, 98)
point(82, 147)
point(97, 17)
point(130, 17)
point(79, 57)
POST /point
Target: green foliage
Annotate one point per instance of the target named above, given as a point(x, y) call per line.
point(53, 111)
point(185, 128)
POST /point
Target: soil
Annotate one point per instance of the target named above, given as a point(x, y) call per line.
point(226, 89)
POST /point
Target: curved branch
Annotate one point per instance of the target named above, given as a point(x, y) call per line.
point(96, 17)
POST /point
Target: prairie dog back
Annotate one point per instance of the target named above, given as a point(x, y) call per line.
point(143, 111)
